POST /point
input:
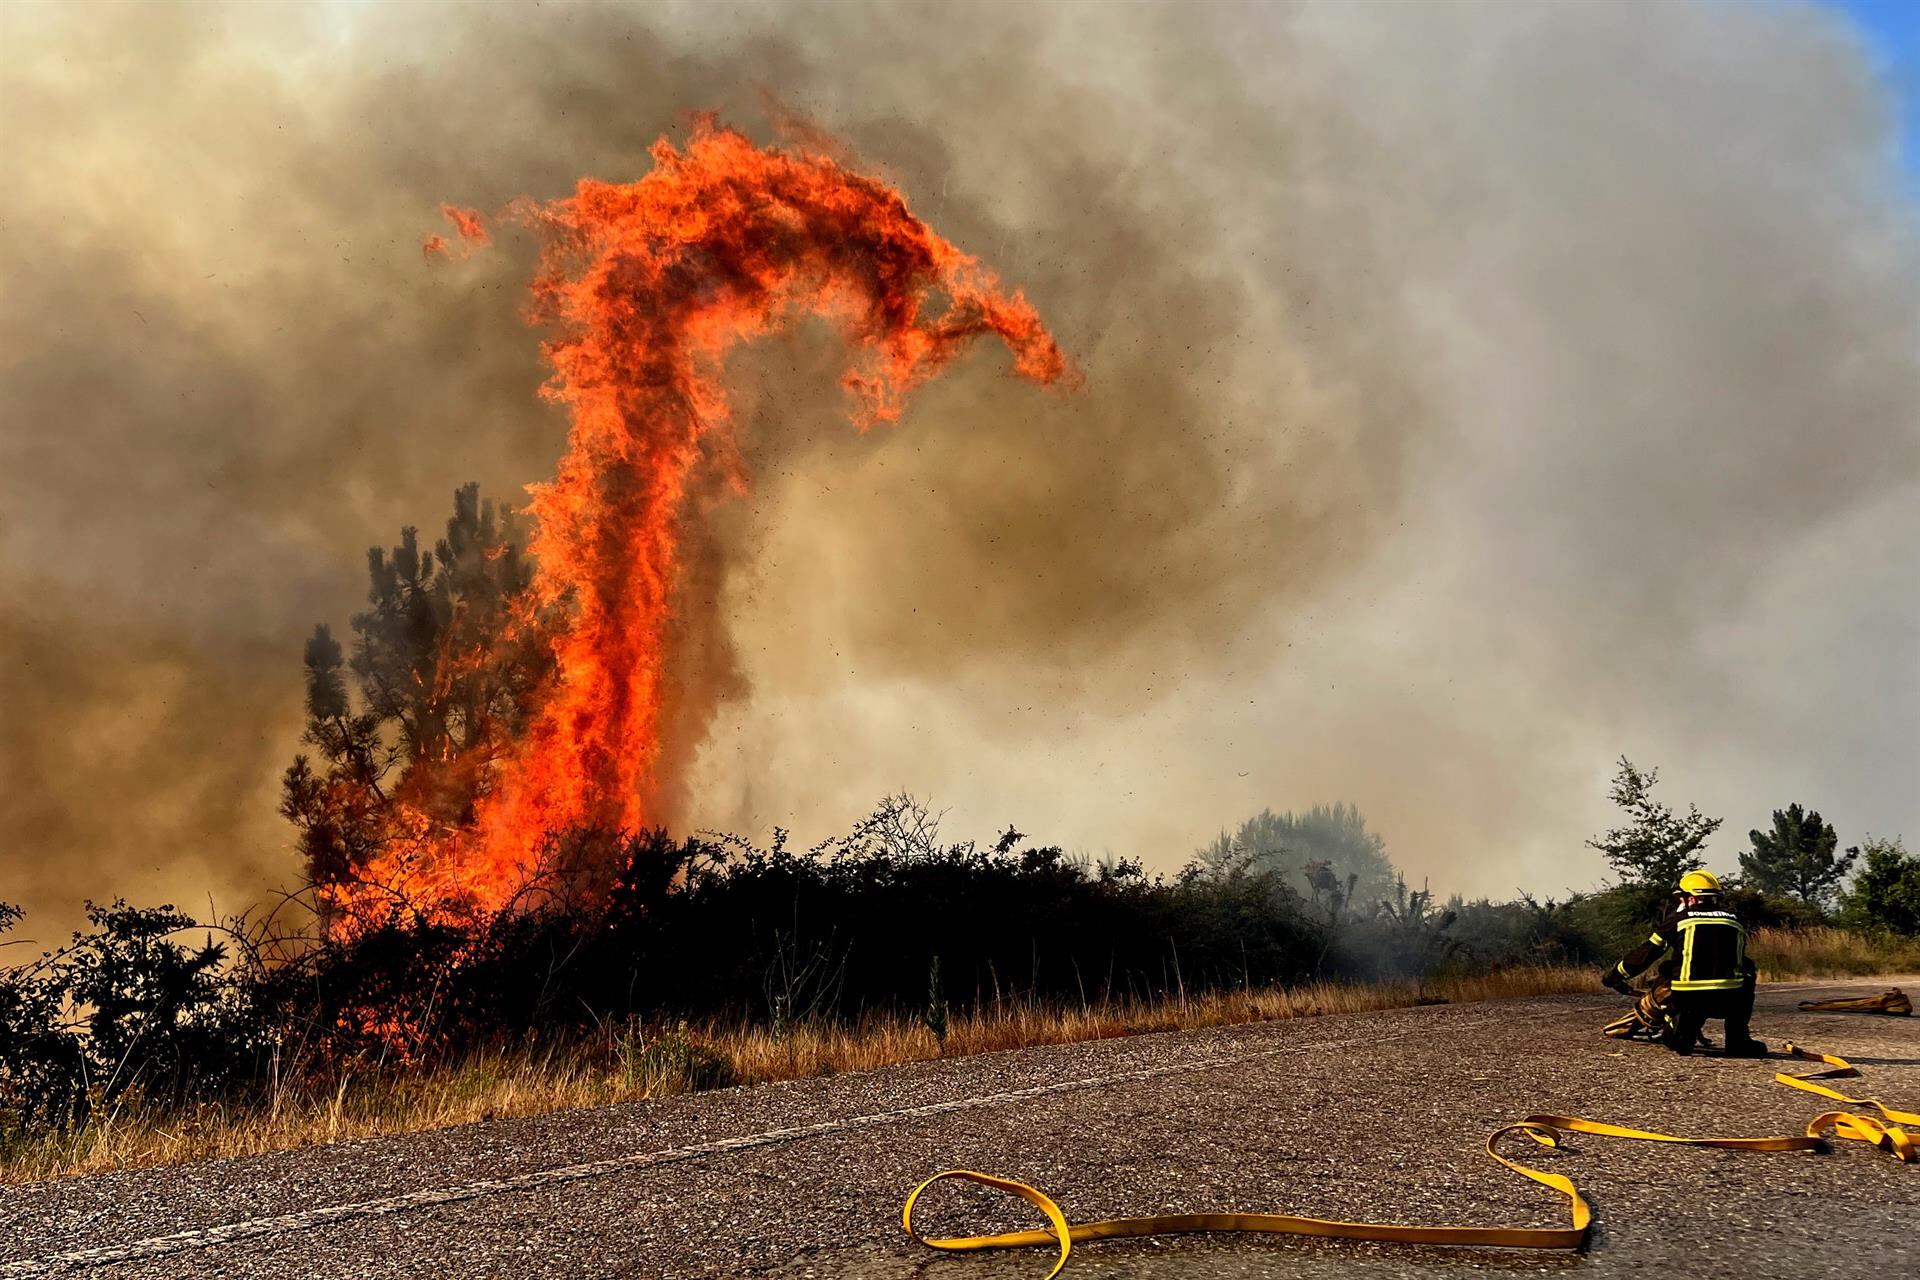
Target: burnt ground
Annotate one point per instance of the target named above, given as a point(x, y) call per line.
point(1373, 1116)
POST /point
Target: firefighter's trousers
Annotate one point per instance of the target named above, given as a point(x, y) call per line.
point(1680, 1015)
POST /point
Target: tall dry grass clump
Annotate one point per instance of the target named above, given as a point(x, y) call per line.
point(1821, 951)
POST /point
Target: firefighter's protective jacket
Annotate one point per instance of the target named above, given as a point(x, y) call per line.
point(1700, 948)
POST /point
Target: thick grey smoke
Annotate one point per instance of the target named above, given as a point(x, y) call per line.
point(1472, 394)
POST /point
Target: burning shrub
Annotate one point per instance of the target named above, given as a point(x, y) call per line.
point(380, 994)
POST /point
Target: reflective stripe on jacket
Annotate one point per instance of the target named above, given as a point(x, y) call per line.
point(1705, 949)
point(1713, 952)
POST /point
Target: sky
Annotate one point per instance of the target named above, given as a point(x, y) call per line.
point(1892, 27)
point(1473, 393)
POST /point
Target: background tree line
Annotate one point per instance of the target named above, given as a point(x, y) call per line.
point(1792, 871)
point(890, 916)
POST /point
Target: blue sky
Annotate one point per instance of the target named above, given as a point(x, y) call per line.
point(1892, 27)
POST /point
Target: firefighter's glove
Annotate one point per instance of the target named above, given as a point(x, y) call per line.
point(1616, 981)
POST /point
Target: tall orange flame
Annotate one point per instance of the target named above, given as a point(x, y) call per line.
point(649, 284)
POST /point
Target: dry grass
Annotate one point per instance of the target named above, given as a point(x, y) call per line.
point(632, 1063)
point(757, 1054)
point(1784, 954)
point(638, 1062)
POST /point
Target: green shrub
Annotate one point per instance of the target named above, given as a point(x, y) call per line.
point(1759, 910)
point(1885, 893)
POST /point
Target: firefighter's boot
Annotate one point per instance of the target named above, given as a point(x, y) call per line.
point(1740, 1041)
point(1686, 1017)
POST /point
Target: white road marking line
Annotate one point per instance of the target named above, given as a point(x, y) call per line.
point(307, 1219)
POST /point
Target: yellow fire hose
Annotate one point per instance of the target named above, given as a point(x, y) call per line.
point(1884, 1133)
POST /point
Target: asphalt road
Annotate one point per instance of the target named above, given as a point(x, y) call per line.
point(1375, 1116)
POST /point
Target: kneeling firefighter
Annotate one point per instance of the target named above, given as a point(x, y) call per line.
point(1701, 951)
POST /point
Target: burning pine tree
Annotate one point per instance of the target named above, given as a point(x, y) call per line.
point(443, 681)
point(511, 708)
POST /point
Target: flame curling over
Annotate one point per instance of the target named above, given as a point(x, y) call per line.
point(649, 284)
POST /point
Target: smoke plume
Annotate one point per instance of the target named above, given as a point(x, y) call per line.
point(1471, 395)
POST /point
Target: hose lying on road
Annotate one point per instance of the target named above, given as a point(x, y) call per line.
point(1885, 1133)
point(1891, 1001)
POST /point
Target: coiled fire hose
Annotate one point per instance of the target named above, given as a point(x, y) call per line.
point(1885, 1133)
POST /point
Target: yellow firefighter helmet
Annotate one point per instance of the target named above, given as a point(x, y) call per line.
point(1699, 883)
